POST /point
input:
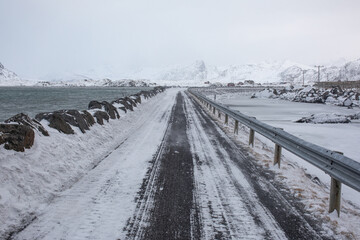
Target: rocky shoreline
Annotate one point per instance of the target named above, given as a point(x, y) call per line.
point(335, 95)
point(17, 133)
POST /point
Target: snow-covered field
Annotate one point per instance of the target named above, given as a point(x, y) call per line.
point(282, 113)
point(29, 181)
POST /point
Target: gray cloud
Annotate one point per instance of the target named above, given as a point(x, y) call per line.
point(42, 36)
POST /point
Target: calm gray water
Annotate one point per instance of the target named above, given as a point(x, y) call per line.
point(33, 100)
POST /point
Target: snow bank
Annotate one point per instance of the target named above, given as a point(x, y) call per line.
point(30, 180)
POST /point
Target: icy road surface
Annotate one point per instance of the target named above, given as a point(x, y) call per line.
point(175, 176)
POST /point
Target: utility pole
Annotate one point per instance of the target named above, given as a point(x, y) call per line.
point(319, 66)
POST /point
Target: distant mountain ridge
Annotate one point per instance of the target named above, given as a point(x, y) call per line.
point(264, 72)
point(197, 74)
point(9, 78)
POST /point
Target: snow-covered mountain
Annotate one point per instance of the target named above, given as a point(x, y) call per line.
point(349, 71)
point(199, 72)
point(9, 78)
point(88, 82)
point(196, 74)
point(265, 72)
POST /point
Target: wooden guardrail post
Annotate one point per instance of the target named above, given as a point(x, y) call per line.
point(226, 119)
point(277, 155)
point(335, 195)
point(251, 137)
point(236, 127)
point(219, 114)
point(214, 109)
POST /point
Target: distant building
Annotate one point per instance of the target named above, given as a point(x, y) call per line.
point(207, 82)
point(249, 82)
point(231, 84)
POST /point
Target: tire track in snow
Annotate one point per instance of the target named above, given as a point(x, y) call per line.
point(166, 208)
point(136, 225)
point(232, 199)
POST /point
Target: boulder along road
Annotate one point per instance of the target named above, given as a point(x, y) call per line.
point(176, 175)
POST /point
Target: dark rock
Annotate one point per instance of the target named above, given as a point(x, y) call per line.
point(146, 94)
point(131, 101)
point(57, 121)
point(75, 118)
point(88, 118)
point(24, 119)
point(100, 116)
point(125, 103)
point(136, 98)
point(282, 91)
point(111, 110)
point(16, 137)
point(61, 119)
point(94, 105)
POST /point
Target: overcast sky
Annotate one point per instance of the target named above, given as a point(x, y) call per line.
point(43, 36)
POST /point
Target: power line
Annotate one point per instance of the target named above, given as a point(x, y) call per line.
point(319, 66)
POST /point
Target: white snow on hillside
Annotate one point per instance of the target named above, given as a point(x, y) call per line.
point(9, 78)
point(196, 74)
point(199, 72)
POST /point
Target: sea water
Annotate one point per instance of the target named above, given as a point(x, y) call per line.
point(33, 100)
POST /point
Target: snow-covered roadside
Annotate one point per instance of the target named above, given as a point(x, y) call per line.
point(30, 180)
point(305, 181)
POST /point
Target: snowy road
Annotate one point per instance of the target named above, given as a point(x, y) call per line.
point(175, 176)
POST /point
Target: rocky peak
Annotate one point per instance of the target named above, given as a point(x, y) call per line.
point(200, 66)
point(1, 66)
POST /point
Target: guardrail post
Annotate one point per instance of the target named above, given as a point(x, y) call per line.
point(277, 156)
point(236, 128)
point(335, 195)
point(219, 114)
point(277, 152)
point(251, 137)
point(226, 119)
point(214, 110)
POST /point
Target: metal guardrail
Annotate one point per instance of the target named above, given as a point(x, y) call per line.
point(341, 168)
